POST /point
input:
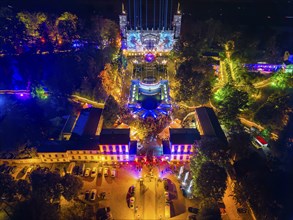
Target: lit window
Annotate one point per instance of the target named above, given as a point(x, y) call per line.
point(79, 157)
point(72, 157)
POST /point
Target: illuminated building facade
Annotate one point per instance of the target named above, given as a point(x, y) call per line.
point(112, 145)
point(181, 144)
point(149, 99)
point(149, 26)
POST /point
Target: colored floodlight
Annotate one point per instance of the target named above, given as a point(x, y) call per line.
point(149, 57)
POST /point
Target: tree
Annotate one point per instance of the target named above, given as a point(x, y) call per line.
point(209, 210)
point(239, 144)
point(111, 81)
point(23, 188)
point(211, 181)
point(35, 210)
point(66, 25)
point(274, 111)
point(7, 186)
point(214, 149)
point(230, 102)
point(71, 185)
point(192, 83)
point(106, 32)
point(282, 80)
point(46, 186)
point(39, 92)
point(76, 211)
point(110, 112)
point(32, 22)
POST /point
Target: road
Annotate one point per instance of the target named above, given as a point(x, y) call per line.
point(74, 98)
point(262, 84)
point(259, 127)
point(79, 99)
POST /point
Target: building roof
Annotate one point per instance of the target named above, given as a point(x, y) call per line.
point(209, 123)
point(133, 148)
point(115, 136)
point(87, 122)
point(183, 135)
point(261, 140)
point(166, 147)
point(69, 124)
point(63, 146)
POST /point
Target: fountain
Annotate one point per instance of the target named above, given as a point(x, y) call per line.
point(180, 172)
point(185, 178)
point(190, 185)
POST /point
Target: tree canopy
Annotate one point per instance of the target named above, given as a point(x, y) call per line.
point(211, 181)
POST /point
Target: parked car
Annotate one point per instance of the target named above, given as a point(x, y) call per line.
point(100, 171)
point(93, 194)
point(75, 170)
point(131, 202)
point(113, 173)
point(193, 210)
point(29, 170)
point(87, 195)
point(94, 172)
point(106, 170)
point(166, 183)
point(131, 190)
point(87, 172)
point(166, 196)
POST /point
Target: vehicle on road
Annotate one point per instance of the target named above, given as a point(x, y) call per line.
point(94, 172)
point(131, 202)
point(100, 171)
point(106, 170)
point(131, 190)
point(113, 173)
point(87, 195)
point(167, 210)
point(29, 170)
point(166, 184)
point(93, 194)
point(87, 172)
point(166, 196)
point(193, 210)
point(70, 168)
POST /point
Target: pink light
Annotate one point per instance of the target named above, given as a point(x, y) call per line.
point(21, 94)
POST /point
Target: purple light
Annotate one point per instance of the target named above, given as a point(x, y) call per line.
point(149, 57)
point(21, 94)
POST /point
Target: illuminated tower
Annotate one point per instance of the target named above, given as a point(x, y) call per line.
point(177, 22)
point(150, 26)
point(123, 25)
